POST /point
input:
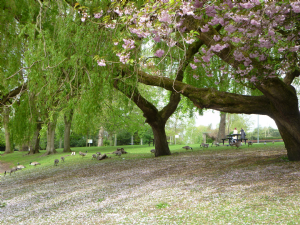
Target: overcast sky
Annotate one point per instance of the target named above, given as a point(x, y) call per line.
point(213, 117)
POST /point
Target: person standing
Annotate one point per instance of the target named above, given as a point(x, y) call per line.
point(243, 134)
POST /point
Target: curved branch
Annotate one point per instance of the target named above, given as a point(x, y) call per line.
point(211, 98)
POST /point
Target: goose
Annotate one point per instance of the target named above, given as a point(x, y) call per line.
point(56, 161)
point(34, 163)
point(62, 159)
point(152, 151)
point(187, 147)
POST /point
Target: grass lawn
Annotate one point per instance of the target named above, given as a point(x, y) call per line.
point(218, 185)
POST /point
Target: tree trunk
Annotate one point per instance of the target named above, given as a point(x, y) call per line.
point(50, 149)
point(68, 122)
point(35, 143)
point(8, 148)
point(221, 133)
point(160, 137)
point(100, 137)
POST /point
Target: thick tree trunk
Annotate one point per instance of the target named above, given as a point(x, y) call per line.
point(221, 133)
point(160, 138)
point(289, 128)
point(8, 148)
point(100, 137)
point(68, 122)
point(35, 143)
point(50, 149)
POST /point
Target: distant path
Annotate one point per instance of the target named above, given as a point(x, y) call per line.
point(4, 166)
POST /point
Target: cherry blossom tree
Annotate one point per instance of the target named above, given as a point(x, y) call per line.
point(257, 41)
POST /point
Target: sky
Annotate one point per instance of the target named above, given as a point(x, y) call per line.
point(213, 117)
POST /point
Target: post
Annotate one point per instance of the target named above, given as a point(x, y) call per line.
point(115, 140)
point(257, 128)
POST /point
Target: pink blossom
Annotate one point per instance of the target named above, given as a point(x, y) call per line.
point(210, 11)
point(294, 49)
point(218, 47)
point(253, 79)
point(206, 58)
point(205, 28)
point(189, 41)
point(262, 57)
point(193, 66)
point(254, 55)
point(238, 56)
point(128, 44)
point(157, 38)
point(255, 23)
point(247, 5)
point(165, 17)
point(101, 62)
point(196, 76)
point(159, 53)
point(98, 15)
point(198, 4)
point(236, 39)
point(281, 49)
point(230, 28)
point(296, 7)
point(116, 43)
point(256, 2)
point(209, 75)
point(124, 58)
point(196, 60)
point(217, 37)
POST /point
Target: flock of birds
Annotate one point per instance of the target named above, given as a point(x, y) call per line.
point(119, 152)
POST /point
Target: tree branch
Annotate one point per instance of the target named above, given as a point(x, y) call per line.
point(211, 98)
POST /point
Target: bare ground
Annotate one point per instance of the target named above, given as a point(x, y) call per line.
point(200, 187)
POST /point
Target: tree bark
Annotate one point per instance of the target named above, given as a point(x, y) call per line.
point(100, 137)
point(68, 122)
point(221, 133)
point(50, 149)
point(160, 137)
point(8, 148)
point(35, 143)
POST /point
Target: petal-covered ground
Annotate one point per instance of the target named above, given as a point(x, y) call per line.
point(243, 186)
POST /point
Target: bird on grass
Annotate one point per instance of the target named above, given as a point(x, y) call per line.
point(56, 161)
point(236, 144)
point(94, 156)
point(187, 148)
point(82, 154)
point(62, 159)
point(118, 153)
point(34, 163)
point(152, 151)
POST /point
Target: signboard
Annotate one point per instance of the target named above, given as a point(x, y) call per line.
point(176, 136)
point(90, 141)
